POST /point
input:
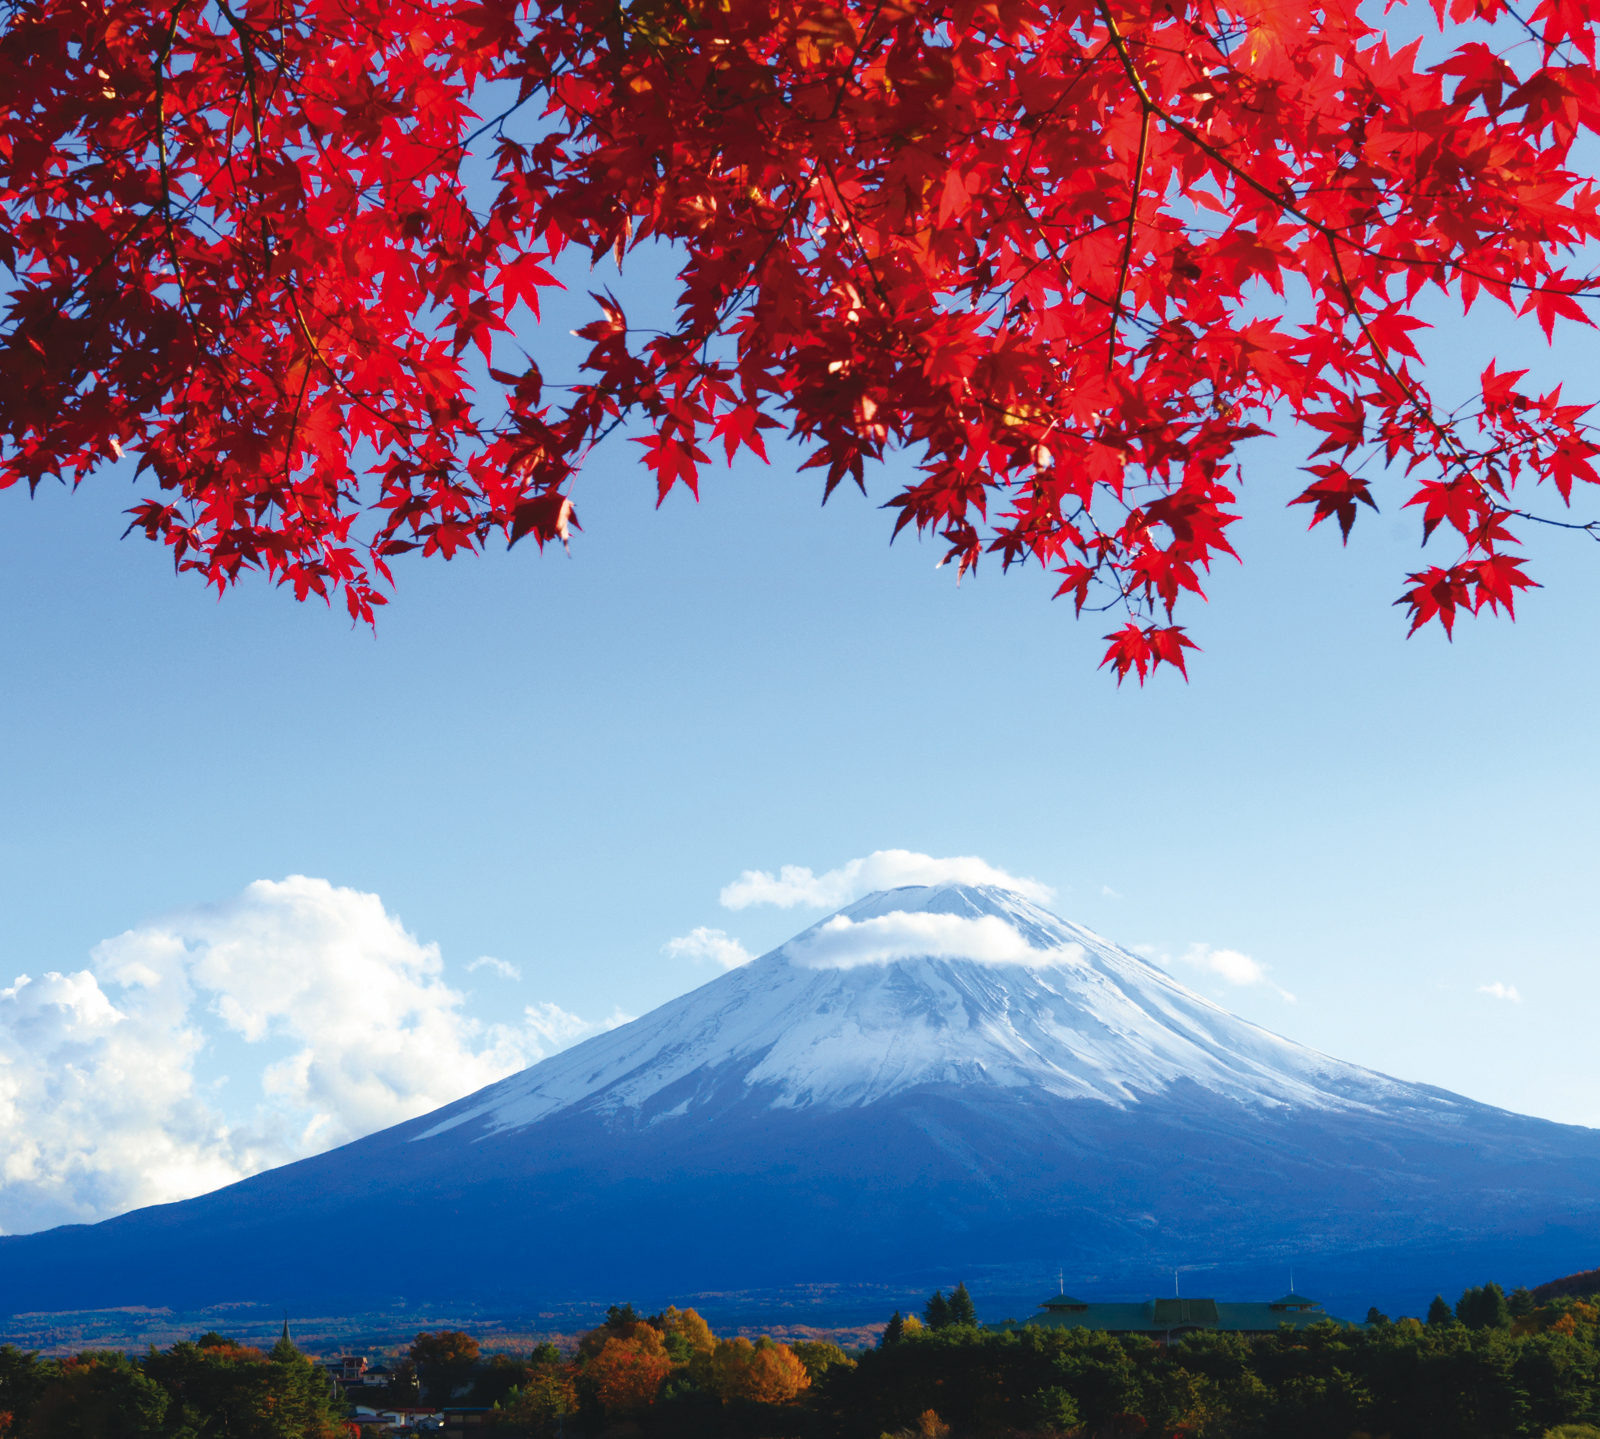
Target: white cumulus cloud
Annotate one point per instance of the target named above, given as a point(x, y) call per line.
point(843, 943)
point(882, 869)
point(713, 944)
point(1501, 991)
point(1230, 965)
point(100, 1102)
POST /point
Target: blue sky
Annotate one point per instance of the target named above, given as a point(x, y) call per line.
point(558, 762)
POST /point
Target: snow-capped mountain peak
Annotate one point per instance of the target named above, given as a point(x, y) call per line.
point(947, 984)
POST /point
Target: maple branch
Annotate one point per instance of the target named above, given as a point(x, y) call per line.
point(1282, 201)
point(1127, 246)
point(401, 428)
point(1592, 528)
point(247, 55)
point(161, 153)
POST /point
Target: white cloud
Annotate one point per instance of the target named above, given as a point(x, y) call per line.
point(1230, 965)
point(882, 869)
point(1501, 991)
point(842, 943)
point(501, 967)
point(1234, 967)
point(557, 1028)
point(99, 1099)
point(703, 943)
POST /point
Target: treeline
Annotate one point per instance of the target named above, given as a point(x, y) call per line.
point(1490, 1367)
point(212, 1388)
point(1486, 1368)
point(1407, 1380)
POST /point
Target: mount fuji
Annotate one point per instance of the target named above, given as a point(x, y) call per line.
point(936, 1081)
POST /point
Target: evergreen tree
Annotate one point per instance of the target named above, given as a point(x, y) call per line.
point(100, 1396)
point(298, 1404)
point(23, 1378)
point(1439, 1311)
point(893, 1332)
point(961, 1306)
point(1521, 1301)
point(1376, 1316)
point(1484, 1308)
point(936, 1312)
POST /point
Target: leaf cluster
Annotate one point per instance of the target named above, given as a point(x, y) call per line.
point(210, 1387)
point(1069, 256)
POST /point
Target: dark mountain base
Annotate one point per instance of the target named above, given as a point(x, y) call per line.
point(914, 1191)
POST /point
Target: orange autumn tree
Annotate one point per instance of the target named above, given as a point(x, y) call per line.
point(626, 1374)
point(766, 1372)
point(1039, 245)
point(624, 1363)
point(444, 1361)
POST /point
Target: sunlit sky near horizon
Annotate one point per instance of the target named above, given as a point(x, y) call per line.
point(550, 766)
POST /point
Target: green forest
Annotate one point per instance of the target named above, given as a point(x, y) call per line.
point(1491, 1366)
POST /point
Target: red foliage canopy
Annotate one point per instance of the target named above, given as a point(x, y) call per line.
point(1029, 240)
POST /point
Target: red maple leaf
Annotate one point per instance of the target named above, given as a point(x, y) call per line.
point(244, 254)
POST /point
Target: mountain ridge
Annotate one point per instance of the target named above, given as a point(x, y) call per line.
point(1051, 1051)
point(936, 1081)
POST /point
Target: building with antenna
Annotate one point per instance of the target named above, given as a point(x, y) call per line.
point(1167, 1319)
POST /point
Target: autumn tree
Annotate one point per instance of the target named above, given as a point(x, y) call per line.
point(684, 1333)
point(444, 1361)
point(626, 1374)
point(764, 1372)
point(1068, 255)
point(773, 1374)
point(621, 1322)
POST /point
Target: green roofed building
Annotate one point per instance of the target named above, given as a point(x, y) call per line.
point(1165, 1319)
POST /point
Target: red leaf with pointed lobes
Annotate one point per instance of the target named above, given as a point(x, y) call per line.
point(1345, 425)
point(1461, 501)
point(1336, 492)
point(1143, 650)
point(545, 517)
point(1061, 333)
point(1076, 579)
point(1496, 580)
point(742, 425)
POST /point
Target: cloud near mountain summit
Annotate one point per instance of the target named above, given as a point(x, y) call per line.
point(844, 943)
point(794, 885)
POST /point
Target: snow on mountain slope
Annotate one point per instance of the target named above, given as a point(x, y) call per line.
point(945, 984)
point(935, 1082)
